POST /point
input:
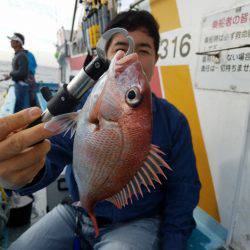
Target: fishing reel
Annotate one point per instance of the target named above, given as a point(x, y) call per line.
point(69, 95)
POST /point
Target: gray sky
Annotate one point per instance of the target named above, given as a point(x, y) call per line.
point(38, 21)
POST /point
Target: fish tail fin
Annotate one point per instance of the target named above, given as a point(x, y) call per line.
point(63, 123)
point(94, 221)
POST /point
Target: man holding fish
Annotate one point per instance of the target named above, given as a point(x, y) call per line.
point(133, 166)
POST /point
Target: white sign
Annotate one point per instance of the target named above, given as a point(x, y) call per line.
point(227, 36)
point(175, 47)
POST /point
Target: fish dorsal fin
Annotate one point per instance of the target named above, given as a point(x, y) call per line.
point(144, 176)
point(64, 123)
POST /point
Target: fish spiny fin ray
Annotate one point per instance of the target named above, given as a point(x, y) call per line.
point(148, 178)
point(129, 193)
point(120, 199)
point(125, 195)
point(144, 176)
point(133, 189)
point(152, 172)
point(143, 180)
point(155, 165)
point(154, 152)
point(137, 183)
point(116, 200)
point(152, 166)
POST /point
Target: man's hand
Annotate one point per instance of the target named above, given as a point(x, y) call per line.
point(20, 159)
point(6, 77)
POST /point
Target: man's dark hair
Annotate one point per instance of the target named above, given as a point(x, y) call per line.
point(135, 20)
point(20, 36)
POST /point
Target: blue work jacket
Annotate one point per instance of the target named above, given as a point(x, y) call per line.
point(174, 200)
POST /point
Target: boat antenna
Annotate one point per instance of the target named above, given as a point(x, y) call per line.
point(73, 21)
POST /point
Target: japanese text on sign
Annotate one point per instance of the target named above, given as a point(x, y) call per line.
point(224, 54)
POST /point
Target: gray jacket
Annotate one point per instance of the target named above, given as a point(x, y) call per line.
point(20, 66)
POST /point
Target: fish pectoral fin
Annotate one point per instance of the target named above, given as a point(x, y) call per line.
point(145, 175)
point(64, 123)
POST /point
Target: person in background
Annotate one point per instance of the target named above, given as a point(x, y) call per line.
point(23, 70)
point(162, 219)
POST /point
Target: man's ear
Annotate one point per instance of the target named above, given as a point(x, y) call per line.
point(156, 58)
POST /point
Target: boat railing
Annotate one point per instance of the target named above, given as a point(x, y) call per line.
point(9, 102)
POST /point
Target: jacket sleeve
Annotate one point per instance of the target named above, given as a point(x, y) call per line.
point(23, 68)
point(182, 193)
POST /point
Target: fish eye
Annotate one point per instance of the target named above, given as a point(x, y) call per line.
point(133, 97)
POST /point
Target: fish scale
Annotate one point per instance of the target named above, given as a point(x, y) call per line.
point(102, 145)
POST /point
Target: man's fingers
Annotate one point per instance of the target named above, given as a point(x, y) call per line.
point(22, 177)
point(16, 121)
point(22, 140)
point(25, 159)
point(27, 175)
point(24, 167)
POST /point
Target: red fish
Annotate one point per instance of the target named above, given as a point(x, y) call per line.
point(113, 155)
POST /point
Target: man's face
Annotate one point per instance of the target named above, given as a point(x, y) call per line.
point(144, 47)
point(15, 44)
